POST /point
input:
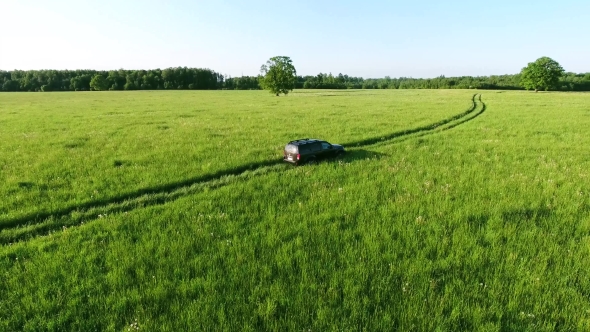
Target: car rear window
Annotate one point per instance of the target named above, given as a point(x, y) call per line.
point(290, 148)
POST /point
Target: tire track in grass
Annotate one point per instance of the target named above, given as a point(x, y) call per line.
point(78, 217)
point(169, 187)
point(446, 126)
point(426, 128)
point(468, 118)
point(42, 223)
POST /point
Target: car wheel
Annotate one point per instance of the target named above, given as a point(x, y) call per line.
point(312, 161)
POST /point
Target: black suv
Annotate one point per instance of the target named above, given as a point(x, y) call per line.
point(310, 150)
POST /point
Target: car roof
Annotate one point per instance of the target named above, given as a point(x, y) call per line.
point(305, 141)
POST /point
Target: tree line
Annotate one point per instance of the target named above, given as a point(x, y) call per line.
point(184, 78)
point(568, 82)
point(85, 80)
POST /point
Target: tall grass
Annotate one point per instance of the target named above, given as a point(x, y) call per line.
point(484, 226)
point(62, 150)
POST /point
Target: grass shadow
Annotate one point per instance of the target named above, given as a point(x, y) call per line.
point(536, 215)
point(26, 185)
point(361, 154)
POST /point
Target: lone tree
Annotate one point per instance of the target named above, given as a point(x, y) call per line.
point(542, 74)
point(278, 75)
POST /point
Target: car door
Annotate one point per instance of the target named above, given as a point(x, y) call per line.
point(327, 149)
point(316, 149)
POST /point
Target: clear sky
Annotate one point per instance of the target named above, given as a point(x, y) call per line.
point(360, 38)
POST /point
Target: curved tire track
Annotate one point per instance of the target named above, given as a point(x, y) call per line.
point(421, 129)
point(469, 118)
point(40, 223)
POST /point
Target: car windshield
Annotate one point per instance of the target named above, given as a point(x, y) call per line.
point(290, 148)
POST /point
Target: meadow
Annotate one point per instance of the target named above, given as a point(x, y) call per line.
point(452, 210)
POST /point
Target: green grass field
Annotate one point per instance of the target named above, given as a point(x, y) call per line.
point(171, 211)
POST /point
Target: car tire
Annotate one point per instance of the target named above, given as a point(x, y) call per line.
point(312, 161)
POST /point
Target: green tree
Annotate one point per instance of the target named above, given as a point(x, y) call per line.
point(99, 83)
point(542, 74)
point(10, 86)
point(278, 75)
point(129, 83)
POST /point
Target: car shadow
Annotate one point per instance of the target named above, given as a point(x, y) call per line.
point(356, 155)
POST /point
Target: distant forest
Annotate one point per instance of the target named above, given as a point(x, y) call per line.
point(182, 78)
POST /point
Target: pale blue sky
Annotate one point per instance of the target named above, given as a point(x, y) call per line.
point(359, 38)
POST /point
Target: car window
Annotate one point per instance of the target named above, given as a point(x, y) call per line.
point(326, 145)
point(315, 147)
point(290, 148)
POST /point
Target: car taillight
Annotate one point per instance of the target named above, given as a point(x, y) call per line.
point(298, 156)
